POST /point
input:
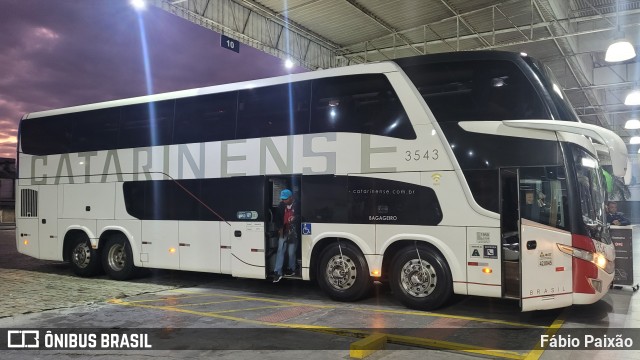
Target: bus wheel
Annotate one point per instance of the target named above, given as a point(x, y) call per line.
point(85, 261)
point(343, 272)
point(117, 258)
point(420, 278)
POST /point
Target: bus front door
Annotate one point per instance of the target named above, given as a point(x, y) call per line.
point(545, 272)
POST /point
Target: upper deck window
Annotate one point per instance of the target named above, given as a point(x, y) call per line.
point(477, 90)
point(364, 104)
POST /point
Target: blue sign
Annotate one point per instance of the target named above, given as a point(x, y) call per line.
point(229, 43)
point(306, 229)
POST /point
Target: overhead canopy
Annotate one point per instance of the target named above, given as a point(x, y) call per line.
point(570, 36)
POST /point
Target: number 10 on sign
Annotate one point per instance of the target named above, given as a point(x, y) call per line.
point(229, 43)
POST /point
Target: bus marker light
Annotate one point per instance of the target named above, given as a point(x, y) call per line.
point(487, 270)
point(375, 273)
point(26, 242)
point(172, 250)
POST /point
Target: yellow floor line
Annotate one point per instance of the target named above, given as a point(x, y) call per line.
point(214, 315)
point(460, 317)
point(171, 297)
point(277, 301)
point(209, 303)
point(447, 345)
point(552, 330)
point(249, 309)
point(367, 346)
point(399, 339)
point(400, 312)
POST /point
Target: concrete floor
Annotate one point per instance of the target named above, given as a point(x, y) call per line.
point(205, 315)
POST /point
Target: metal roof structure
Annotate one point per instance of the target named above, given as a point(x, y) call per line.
point(570, 36)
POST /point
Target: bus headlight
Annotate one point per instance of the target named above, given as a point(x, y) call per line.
point(598, 259)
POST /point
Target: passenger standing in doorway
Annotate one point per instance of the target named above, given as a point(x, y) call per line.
point(288, 225)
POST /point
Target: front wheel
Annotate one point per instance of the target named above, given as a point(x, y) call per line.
point(117, 258)
point(85, 260)
point(420, 278)
point(343, 273)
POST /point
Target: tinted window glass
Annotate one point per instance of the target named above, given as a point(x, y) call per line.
point(361, 200)
point(325, 199)
point(544, 198)
point(359, 104)
point(477, 90)
point(95, 130)
point(484, 186)
point(205, 118)
point(148, 124)
point(45, 136)
point(195, 199)
point(274, 110)
point(487, 151)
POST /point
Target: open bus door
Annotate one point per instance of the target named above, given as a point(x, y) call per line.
point(545, 272)
point(534, 269)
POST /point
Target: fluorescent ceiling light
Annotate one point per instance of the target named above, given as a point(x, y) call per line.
point(634, 140)
point(620, 50)
point(138, 4)
point(632, 124)
point(633, 98)
point(288, 64)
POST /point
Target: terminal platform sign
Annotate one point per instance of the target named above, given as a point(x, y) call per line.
point(229, 43)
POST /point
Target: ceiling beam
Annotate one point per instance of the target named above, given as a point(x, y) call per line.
point(544, 24)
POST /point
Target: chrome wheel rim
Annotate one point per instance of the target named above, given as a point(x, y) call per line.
point(81, 255)
point(341, 272)
point(418, 279)
point(117, 257)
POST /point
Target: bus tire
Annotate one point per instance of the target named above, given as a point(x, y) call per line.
point(343, 276)
point(84, 260)
point(117, 258)
point(424, 287)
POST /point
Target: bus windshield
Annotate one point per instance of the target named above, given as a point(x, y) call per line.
point(558, 97)
point(590, 192)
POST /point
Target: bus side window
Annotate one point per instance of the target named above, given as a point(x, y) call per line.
point(276, 110)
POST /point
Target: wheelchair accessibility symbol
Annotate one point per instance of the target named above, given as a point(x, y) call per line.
point(306, 229)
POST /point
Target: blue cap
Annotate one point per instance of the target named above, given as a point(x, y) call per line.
point(285, 194)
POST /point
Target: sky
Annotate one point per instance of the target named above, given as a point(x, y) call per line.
point(60, 53)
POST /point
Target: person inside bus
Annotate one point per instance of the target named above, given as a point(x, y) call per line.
point(530, 208)
point(545, 209)
point(614, 217)
point(287, 225)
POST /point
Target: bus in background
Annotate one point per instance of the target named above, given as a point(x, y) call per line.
point(463, 173)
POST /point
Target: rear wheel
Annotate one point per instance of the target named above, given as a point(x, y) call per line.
point(84, 260)
point(117, 258)
point(420, 278)
point(343, 272)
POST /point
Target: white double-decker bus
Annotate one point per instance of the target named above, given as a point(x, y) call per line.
point(461, 173)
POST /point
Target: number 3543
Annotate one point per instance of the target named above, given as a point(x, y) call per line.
point(417, 155)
